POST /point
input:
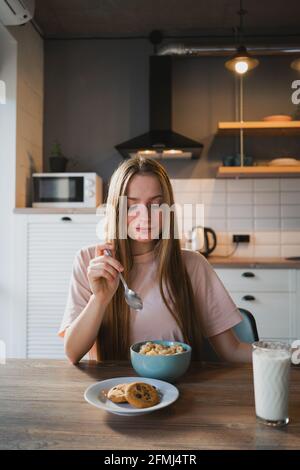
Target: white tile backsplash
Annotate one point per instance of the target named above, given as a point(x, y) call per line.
point(267, 251)
point(290, 184)
point(244, 250)
point(219, 225)
point(267, 209)
point(213, 198)
point(243, 198)
point(240, 212)
point(214, 211)
point(290, 250)
point(264, 198)
point(210, 184)
point(292, 211)
point(222, 250)
point(266, 212)
point(292, 197)
point(264, 184)
point(266, 224)
point(223, 238)
point(290, 224)
point(266, 238)
point(237, 185)
point(240, 224)
point(290, 238)
point(186, 184)
point(189, 197)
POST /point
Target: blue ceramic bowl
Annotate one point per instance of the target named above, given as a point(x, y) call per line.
point(167, 368)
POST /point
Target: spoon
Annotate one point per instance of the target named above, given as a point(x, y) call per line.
point(131, 297)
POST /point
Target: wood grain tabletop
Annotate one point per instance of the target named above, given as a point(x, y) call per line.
point(42, 407)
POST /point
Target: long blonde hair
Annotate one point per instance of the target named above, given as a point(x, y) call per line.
point(113, 336)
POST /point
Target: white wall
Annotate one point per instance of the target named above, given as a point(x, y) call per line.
point(8, 72)
point(30, 103)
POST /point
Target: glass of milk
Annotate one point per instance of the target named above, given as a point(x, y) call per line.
point(271, 370)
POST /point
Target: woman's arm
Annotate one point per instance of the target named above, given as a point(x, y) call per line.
point(229, 348)
point(82, 333)
point(102, 276)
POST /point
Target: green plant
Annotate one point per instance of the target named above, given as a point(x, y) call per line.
point(56, 150)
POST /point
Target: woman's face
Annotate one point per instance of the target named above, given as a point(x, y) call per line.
point(143, 193)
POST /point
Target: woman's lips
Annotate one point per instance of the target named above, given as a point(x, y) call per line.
point(146, 227)
point(143, 229)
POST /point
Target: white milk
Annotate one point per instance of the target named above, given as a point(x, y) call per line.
point(271, 368)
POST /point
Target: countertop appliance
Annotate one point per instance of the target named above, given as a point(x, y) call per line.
point(203, 239)
point(66, 190)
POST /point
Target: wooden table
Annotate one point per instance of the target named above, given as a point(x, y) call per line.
point(42, 407)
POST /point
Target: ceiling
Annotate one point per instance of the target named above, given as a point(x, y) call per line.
point(268, 19)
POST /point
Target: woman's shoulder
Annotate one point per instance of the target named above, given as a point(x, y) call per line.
point(85, 254)
point(194, 260)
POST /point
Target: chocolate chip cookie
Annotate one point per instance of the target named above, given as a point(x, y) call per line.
point(141, 395)
point(117, 393)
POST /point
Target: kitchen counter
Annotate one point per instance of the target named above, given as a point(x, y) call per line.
point(42, 407)
point(272, 263)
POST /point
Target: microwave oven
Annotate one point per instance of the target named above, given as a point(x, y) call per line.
point(66, 190)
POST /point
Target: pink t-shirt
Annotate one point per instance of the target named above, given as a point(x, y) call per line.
point(154, 321)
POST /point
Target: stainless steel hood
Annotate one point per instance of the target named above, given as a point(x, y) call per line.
point(161, 141)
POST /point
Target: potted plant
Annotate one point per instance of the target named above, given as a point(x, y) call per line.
point(57, 161)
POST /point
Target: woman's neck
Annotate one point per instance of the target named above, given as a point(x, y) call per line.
point(138, 248)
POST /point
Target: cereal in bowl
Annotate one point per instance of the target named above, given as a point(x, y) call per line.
point(157, 349)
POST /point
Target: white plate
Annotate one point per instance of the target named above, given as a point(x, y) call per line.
point(285, 161)
point(95, 394)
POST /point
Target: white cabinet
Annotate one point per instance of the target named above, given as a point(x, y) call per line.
point(270, 295)
point(49, 243)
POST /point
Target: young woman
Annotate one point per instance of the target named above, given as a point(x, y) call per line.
point(183, 298)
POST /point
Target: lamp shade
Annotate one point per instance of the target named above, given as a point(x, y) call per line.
point(241, 62)
point(296, 65)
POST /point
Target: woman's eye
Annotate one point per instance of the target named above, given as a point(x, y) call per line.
point(133, 209)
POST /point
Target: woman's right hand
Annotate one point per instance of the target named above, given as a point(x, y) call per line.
point(103, 273)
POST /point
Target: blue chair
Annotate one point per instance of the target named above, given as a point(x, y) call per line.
point(246, 331)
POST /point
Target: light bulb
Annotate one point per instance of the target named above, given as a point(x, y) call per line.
point(241, 67)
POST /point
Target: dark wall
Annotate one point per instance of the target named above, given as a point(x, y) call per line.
point(96, 96)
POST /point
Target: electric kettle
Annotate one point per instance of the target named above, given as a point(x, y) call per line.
point(203, 239)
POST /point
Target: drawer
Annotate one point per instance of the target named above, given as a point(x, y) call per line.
point(255, 280)
point(272, 313)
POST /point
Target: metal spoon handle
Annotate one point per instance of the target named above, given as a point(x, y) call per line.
point(132, 298)
point(109, 253)
point(123, 281)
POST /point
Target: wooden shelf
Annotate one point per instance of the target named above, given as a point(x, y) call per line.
point(275, 126)
point(258, 172)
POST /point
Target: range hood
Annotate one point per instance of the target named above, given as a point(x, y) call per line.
point(161, 141)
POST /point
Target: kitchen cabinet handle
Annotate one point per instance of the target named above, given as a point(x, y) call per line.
point(248, 297)
point(248, 274)
point(66, 219)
